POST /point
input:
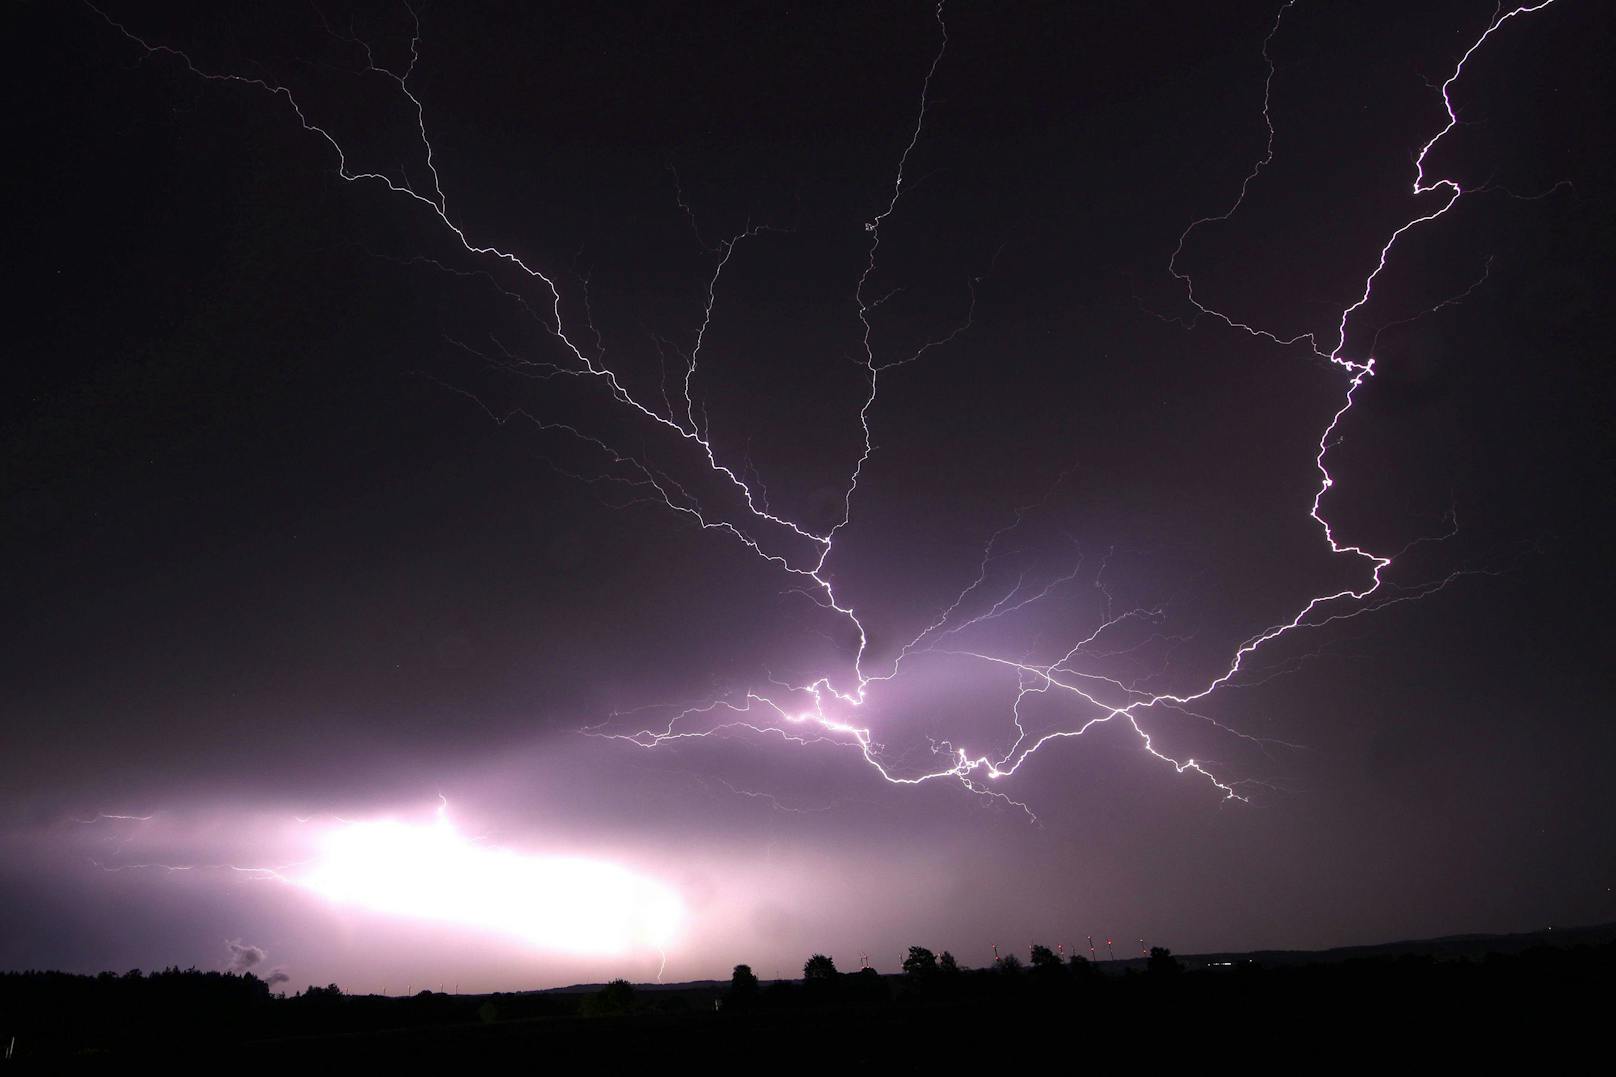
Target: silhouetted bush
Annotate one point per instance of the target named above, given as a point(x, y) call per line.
point(615, 999)
point(866, 987)
point(744, 992)
point(818, 968)
point(1162, 962)
point(921, 963)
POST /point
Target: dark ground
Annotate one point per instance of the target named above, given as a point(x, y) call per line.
point(1433, 1002)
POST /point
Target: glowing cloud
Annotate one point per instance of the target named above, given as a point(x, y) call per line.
point(435, 873)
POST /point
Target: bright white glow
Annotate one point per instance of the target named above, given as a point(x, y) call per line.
point(435, 873)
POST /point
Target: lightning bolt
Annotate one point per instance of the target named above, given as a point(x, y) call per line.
point(822, 709)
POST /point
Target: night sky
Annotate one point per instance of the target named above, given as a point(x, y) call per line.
point(318, 542)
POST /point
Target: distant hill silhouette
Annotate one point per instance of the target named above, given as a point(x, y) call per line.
point(1443, 947)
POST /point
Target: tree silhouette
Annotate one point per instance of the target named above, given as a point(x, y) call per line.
point(1044, 959)
point(819, 969)
point(617, 997)
point(743, 988)
point(920, 963)
point(1009, 964)
point(1047, 967)
point(865, 988)
point(947, 965)
point(1162, 962)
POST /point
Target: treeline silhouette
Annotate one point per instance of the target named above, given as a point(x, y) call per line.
point(1029, 1006)
point(54, 1013)
point(50, 1011)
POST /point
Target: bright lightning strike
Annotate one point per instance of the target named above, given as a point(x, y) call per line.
point(824, 709)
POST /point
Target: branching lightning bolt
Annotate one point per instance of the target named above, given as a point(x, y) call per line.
point(818, 711)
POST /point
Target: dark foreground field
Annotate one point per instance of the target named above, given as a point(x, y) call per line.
point(1437, 1004)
